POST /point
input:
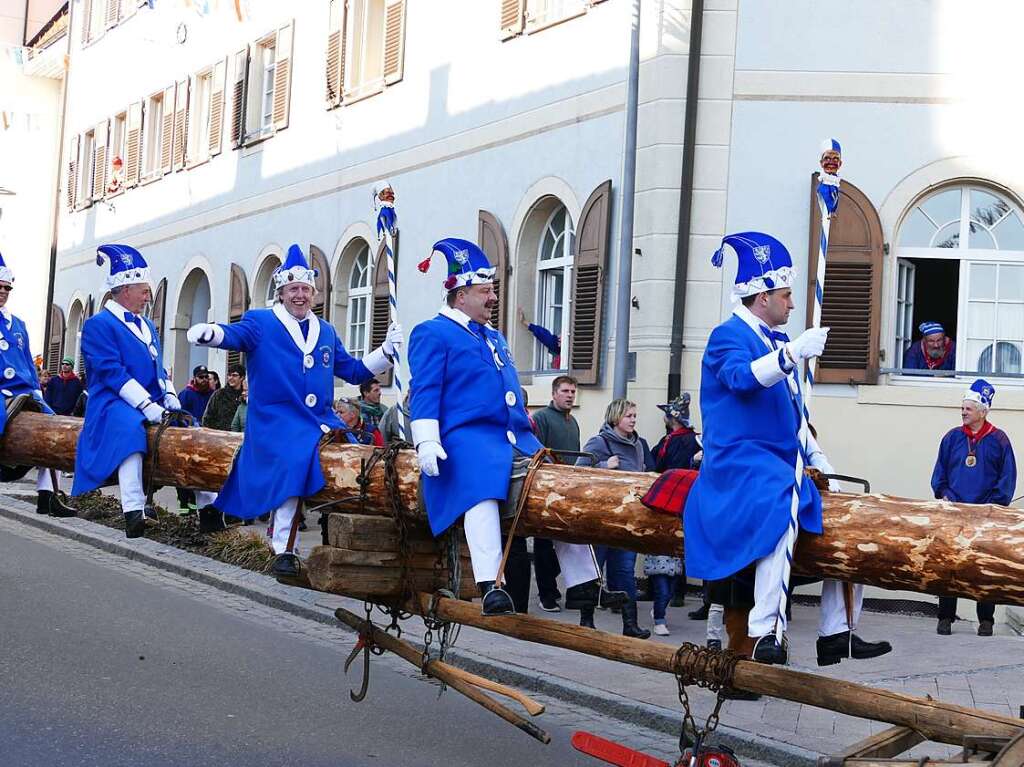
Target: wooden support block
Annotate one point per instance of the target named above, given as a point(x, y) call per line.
point(330, 569)
point(367, 533)
point(891, 742)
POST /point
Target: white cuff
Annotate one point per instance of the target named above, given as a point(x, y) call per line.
point(816, 456)
point(768, 369)
point(168, 386)
point(425, 430)
point(377, 361)
point(134, 394)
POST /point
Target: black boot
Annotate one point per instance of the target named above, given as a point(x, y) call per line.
point(701, 613)
point(134, 524)
point(836, 647)
point(590, 593)
point(629, 624)
point(285, 566)
point(211, 520)
point(495, 601)
point(43, 502)
point(587, 617)
point(768, 650)
point(55, 505)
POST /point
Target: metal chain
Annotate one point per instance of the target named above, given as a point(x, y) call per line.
point(710, 669)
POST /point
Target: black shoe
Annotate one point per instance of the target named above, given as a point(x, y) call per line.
point(211, 520)
point(495, 601)
point(134, 524)
point(149, 515)
point(630, 628)
point(834, 648)
point(945, 627)
point(587, 617)
point(610, 600)
point(285, 566)
point(768, 650)
point(57, 507)
point(550, 605)
point(678, 600)
point(715, 644)
point(985, 628)
point(700, 614)
point(43, 502)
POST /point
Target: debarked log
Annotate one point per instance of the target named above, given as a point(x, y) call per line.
point(935, 547)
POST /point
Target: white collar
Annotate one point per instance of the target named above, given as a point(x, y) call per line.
point(8, 317)
point(307, 344)
point(142, 333)
point(755, 323)
point(459, 316)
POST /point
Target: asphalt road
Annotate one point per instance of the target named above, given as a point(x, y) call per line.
point(104, 663)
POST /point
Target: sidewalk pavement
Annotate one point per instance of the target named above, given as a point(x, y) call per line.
point(985, 673)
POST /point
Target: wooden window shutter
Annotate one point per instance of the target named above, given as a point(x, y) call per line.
point(72, 188)
point(238, 304)
point(492, 240)
point(133, 151)
point(852, 305)
point(283, 76)
point(87, 18)
point(238, 97)
point(181, 105)
point(512, 15)
point(335, 63)
point(380, 311)
point(112, 12)
point(167, 130)
point(394, 40)
point(55, 342)
point(322, 300)
point(156, 311)
point(590, 262)
point(218, 82)
point(99, 154)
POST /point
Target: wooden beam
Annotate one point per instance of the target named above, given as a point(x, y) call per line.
point(891, 742)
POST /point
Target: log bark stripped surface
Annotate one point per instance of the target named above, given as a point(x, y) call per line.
point(929, 546)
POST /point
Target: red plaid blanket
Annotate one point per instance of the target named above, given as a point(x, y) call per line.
point(669, 491)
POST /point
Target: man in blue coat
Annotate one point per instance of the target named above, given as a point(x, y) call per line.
point(468, 419)
point(18, 377)
point(292, 359)
point(739, 508)
point(975, 465)
point(128, 386)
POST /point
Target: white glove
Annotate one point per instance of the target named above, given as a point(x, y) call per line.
point(810, 343)
point(833, 486)
point(154, 413)
point(393, 339)
point(171, 401)
point(202, 334)
point(429, 453)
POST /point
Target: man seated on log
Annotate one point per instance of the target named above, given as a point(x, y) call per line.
point(20, 377)
point(975, 465)
point(468, 419)
point(741, 503)
point(128, 386)
point(293, 357)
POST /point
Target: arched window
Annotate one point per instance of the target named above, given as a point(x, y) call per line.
point(359, 291)
point(554, 279)
point(960, 262)
point(263, 288)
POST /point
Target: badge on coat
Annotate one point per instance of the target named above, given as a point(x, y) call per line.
point(307, 361)
point(21, 341)
point(152, 351)
point(325, 356)
point(4, 346)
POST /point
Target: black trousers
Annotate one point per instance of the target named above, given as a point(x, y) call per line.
point(546, 568)
point(947, 609)
point(517, 574)
point(185, 497)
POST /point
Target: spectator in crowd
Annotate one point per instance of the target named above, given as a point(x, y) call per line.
point(388, 427)
point(238, 419)
point(547, 339)
point(618, 446)
point(355, 431)
point(934, 351)
point(220, 410)
point(44, 380)
point(78, 411)
point(64, 390)
point(215, 384)
point(975, 465)
point(370, 408)
point(194, 400)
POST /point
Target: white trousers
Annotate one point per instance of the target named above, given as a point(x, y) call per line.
point(129, 479)
point(44, 482)
point(283, 517)
point(204, 498)
point(768, 599)
point(483, 534)
point(716, 622)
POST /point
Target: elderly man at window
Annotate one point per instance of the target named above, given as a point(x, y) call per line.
point(935, 350)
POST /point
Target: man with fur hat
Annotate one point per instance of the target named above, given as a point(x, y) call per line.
point(975, 465)
point(468, 419)
point(292, 359)
point(739, 508)
point(128, 385)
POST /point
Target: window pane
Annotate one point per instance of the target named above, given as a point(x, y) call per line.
point(986, 207)
point(916, 231)
point(1007, 358)
point(983, 281)
point(981, 320)
point(943, 207)
point(1011, 284)
point(979, 356)
point(979, 236)
point(1009, 233)
point(1010, 322)
point(948, 236)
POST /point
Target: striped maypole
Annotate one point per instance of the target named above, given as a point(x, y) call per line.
point(828, 202)
point(384, 206)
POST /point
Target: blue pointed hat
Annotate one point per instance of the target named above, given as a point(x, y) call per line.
point(6, 275)
point(294, 269)
point(831, 145)
point(764, 263)
point(467, 263)
point(127, 266)
point(982, 392)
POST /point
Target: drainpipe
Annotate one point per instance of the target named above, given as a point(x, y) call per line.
point(675, 364)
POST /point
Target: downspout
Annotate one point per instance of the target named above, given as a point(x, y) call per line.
point(675, 363)
point(57, 200)
point(24, 26)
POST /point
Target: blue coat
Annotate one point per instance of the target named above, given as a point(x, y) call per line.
point(289, 410)
point(739, 506)
point(62, 394)
point(992, 478)
point(914, 358)
point(17, 368)
point(115, 352)
point(472, 391)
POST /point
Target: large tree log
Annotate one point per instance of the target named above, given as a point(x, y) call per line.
point(929, 546)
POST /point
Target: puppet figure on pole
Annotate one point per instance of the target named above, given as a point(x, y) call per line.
point(387, 229)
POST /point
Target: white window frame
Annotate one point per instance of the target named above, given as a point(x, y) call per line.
point(359, 295)
point(86, 168)
point(117, 148)
point(545, 313)
point(197, 148)
point(259, 106)
point(541, 14)
point(364, 47)
point(95, 19)
point(152, 136)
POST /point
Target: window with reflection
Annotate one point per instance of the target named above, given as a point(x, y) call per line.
point(554, 279)
point(358, 312)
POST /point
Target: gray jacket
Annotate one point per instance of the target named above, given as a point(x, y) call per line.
point(634, 455)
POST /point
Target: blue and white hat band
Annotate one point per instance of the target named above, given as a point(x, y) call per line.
point(763, 263)
point(931, 328)
point(294, 270)
point(831, 145)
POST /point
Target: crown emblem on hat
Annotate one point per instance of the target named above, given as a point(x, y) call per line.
point(761, 253)
point(126, 259)
point(987, 391)
point(462, 256)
